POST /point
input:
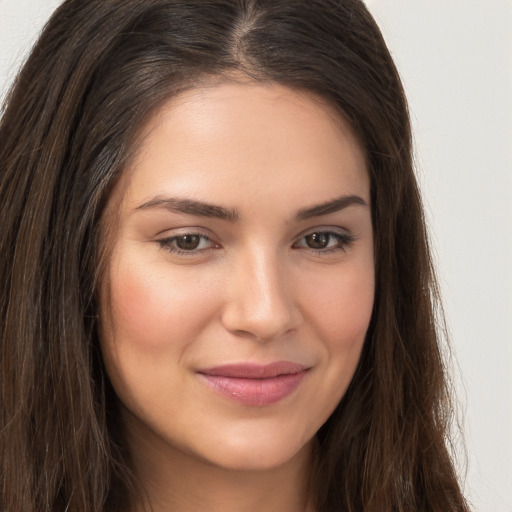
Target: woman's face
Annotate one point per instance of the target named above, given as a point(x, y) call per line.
point(241, 280)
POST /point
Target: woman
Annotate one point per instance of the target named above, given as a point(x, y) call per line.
point(218, 292)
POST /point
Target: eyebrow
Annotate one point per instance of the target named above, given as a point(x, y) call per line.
point(332, 206)
point(201, 209)
point(190, 207)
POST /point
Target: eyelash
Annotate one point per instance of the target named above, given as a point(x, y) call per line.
point(167, 244)
point(344, 241)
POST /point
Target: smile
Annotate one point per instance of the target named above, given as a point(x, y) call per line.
point(255, 385)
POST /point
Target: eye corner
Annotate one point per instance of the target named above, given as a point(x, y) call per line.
point(324, 241)
point(187, 244)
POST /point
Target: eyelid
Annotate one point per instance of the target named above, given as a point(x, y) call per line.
point(344, 236)
point(166, 242)
point(344, 240)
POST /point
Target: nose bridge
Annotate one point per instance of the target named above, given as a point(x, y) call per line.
point(260, 299)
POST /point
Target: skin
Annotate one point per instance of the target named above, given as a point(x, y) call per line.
point(253, 290)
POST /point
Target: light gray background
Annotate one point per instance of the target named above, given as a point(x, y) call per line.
point(455, 58)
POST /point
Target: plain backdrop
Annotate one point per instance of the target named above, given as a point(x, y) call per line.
point(455, 58)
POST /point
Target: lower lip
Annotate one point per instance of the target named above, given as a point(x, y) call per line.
point(256, 392)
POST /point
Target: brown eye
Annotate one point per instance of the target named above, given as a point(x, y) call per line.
point(323, 242)
point(318, 240)
point(187, 242)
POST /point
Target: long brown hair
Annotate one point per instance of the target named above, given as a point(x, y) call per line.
point(69, 123)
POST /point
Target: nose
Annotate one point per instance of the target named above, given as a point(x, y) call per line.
point(260, 300)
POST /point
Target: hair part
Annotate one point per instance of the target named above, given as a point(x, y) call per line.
point(69, 129)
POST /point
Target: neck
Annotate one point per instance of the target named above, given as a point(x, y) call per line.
point(177, 481)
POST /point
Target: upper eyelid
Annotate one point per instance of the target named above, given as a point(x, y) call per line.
point(206, 234)
point(324, 229)
point(166, 244)
point(336, 234)
point(189, 233)
point(169, 233)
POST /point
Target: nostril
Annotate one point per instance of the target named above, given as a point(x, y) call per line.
point(264, 321)
point(259, 297)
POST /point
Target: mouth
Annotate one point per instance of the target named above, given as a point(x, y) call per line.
point(255, 385)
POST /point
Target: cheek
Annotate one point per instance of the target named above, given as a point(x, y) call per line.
point(155, 308)
point(154, 316)
point(340, 306)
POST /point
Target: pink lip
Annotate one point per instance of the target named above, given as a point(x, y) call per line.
point(253, 384)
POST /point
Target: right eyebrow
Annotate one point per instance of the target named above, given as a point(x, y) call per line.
point(333, 206)
point(190, 207)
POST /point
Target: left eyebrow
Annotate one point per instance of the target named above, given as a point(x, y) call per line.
point(333, 206)
point(190, 207)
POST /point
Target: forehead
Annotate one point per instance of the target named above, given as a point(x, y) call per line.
point(230, 138)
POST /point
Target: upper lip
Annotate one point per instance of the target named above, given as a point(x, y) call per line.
point(254, 370)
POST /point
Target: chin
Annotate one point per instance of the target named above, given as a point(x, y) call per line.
point(256, 453)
